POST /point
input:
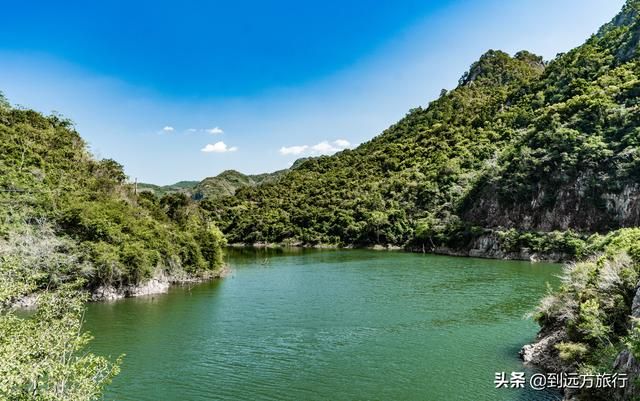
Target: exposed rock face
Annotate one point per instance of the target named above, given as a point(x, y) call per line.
point(27, 302)
point(489, 246)
point(543, 353)
point(626, 362)
point(159, 284)
point(569, 207)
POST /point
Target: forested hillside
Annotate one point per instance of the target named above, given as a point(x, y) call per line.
point(576, 163)
point(379, 193)
point(221, 185)
point(229, 182)
point(520, 144)
point(67, 216)
point(185, 187)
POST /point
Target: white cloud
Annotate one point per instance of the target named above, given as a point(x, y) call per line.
point(321, 148)
point(218, 147)
point(215, 131)
point(168, 129)
point(192, 130)
point(293, 150)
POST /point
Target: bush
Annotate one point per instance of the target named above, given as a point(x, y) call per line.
point(571, 352)
point(44, 357)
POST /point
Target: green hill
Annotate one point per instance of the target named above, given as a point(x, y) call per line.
point(230, 181)
point(520, 144)
point(523, 154)
point(419, 168)
point(66, 215)
point(185, 187)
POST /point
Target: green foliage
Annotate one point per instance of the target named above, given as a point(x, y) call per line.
point(632, 341)
point(568, 242)
point(592, 309)
point(590, 323)
point(378, 192)
point(185, 187)
point(114, 235)
point(229, 182)
point(520, 144)
point(44, 357)
point(571, 352)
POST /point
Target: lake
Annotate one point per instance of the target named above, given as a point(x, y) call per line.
point(328, 325)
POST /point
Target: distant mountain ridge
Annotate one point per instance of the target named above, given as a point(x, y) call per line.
point(160, 190)
point(223, 184)
point(229, 181)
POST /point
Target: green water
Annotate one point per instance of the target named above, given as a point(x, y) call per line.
point(328, 325)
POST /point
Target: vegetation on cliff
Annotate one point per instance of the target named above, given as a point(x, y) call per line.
point(69, 222)
point(520, 144)
point(416, 171)
point(55, 193)
point(590, 324)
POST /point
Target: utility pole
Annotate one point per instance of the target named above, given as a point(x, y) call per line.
point(135, 186)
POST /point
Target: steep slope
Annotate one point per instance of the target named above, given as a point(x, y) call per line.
point(576, 165)
point(519, 145)
point(378, 193)
point(66, 215)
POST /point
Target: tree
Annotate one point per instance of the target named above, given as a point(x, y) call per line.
point(43, 356)
point(377, 220)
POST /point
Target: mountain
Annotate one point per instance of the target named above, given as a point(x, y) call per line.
point(522, 155)
point(224, 184)
point(575, 163)
point(229, 181)
point(419, 168)
point(520, 144)
point(185, 187)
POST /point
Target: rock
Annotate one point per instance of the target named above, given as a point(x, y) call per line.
point(625, 361)
point(635, 305)
point(106, 293)
point(543, 353)
point(26, 302)
point(159, 284)
point(153, 286)
point(489, 246)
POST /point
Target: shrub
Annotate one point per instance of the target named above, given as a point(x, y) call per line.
point(571, 352)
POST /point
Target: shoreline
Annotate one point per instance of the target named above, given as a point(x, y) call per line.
point(160, 283)
point(484, 247)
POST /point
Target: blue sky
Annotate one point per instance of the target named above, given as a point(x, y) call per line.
point(184, 90)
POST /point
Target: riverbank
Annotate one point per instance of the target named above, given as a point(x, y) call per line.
point(590, 324)
point(487, 245)
point(160, 283)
